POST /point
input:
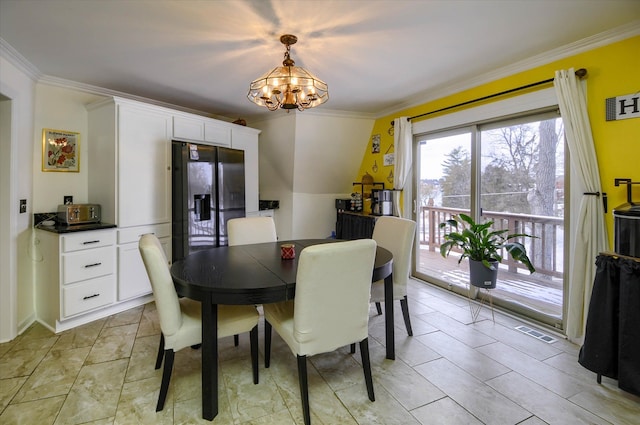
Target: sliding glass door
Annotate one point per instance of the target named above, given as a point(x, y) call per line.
point(444, 188)
point(511, 172)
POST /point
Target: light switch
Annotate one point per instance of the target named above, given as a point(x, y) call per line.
point(23, 206)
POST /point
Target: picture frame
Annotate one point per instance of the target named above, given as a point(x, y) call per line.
point(375, 143)
point(388, 159)
point(60, 150)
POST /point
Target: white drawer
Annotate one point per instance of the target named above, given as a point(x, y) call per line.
point(133, 234)
point(86, 240)
point(88, 295)
point(88, 264)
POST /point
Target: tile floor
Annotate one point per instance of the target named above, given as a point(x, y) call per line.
point(451, 371)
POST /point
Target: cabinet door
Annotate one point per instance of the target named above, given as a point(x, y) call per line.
point(248, 142)
point(133, 280)
point(144, 161)
point(188, 129)
point(132, 276)
point(216, 133)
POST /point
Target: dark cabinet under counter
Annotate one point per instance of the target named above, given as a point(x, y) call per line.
point(352, 225)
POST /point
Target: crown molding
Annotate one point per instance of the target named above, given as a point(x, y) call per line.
point(620, 33)
point(15, 58)
point(101, 91)
point(324, 112)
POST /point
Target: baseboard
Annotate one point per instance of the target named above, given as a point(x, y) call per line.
point(100, 314)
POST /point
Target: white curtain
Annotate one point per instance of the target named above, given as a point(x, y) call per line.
point(402, 139)
point(589, 236)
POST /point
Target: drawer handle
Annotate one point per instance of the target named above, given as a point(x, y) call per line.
point(150, 233)
point(90, 242)
point(92, 265)
point(91, 296)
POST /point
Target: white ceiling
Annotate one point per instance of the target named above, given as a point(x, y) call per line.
point(375, 55)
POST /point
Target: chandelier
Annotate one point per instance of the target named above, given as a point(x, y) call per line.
point(288, 86)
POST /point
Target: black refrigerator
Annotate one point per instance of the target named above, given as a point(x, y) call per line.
point(207, 191)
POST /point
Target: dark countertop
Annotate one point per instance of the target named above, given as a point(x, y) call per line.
point(64, 228)
point(359, 213)
point(268, 205)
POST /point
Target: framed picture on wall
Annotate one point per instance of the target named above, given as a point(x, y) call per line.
point(60, 150)
point(375, 143)
point(388, 159)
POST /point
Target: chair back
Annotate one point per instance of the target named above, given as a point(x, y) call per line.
point(251, 230)
point(164, 292)
point(333, 285)
point(396, 235)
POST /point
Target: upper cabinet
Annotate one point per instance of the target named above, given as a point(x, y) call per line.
point(201, 129)
point(129, 153)
point(130, 162)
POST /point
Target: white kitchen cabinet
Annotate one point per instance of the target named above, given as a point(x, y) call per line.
point(75, 277)
point(133, 280)
point(130, 162)
point(185, 128)
point(201, 129)
point(246, 139)
point(129, 175)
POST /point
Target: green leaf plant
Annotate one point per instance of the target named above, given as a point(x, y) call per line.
point(479, 242)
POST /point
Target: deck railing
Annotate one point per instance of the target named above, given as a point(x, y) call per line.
point(545, 250)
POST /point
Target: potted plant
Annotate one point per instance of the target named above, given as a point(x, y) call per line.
point(482, 245)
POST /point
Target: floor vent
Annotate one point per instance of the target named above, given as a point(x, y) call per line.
point(536, 334)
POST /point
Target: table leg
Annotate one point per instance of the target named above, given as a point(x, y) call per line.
point(388, 317)
point(209, 359)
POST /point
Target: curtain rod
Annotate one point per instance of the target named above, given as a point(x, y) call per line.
point(580, 73)
point(616, 255)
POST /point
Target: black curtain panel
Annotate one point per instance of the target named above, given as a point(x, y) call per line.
point(612, 336)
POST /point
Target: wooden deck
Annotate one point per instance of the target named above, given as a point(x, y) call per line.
point(539, 292)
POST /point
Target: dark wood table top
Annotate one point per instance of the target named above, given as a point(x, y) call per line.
point(251, 274)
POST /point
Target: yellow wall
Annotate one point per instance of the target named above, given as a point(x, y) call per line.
point(613, 70)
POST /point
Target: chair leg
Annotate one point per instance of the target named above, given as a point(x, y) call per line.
point(236, 340)
point(160, 352)
point(404, 305)
point(352, 349)
point(254, 352)
point(378, 308)
point(267, 344)
point(166, 377)
point(366, 366)
point(304, 388)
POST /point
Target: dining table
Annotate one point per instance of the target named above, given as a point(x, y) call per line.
point(251, 275)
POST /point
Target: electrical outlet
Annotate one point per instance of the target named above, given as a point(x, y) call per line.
point(68, 200)
point(23, 206)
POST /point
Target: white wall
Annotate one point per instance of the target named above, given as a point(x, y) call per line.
point(16, 278)
point(307, 160)
point(61, 109)
point(276, 150)
point(315, 215)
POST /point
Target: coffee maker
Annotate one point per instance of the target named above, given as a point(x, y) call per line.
point(381, 202)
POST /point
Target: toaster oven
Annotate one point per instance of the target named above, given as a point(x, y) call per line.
point(78, 213)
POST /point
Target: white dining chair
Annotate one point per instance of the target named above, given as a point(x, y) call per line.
point(396, 235)
point(330, 308)
point(248, 231)
point(251, 230)
point(180, 318)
